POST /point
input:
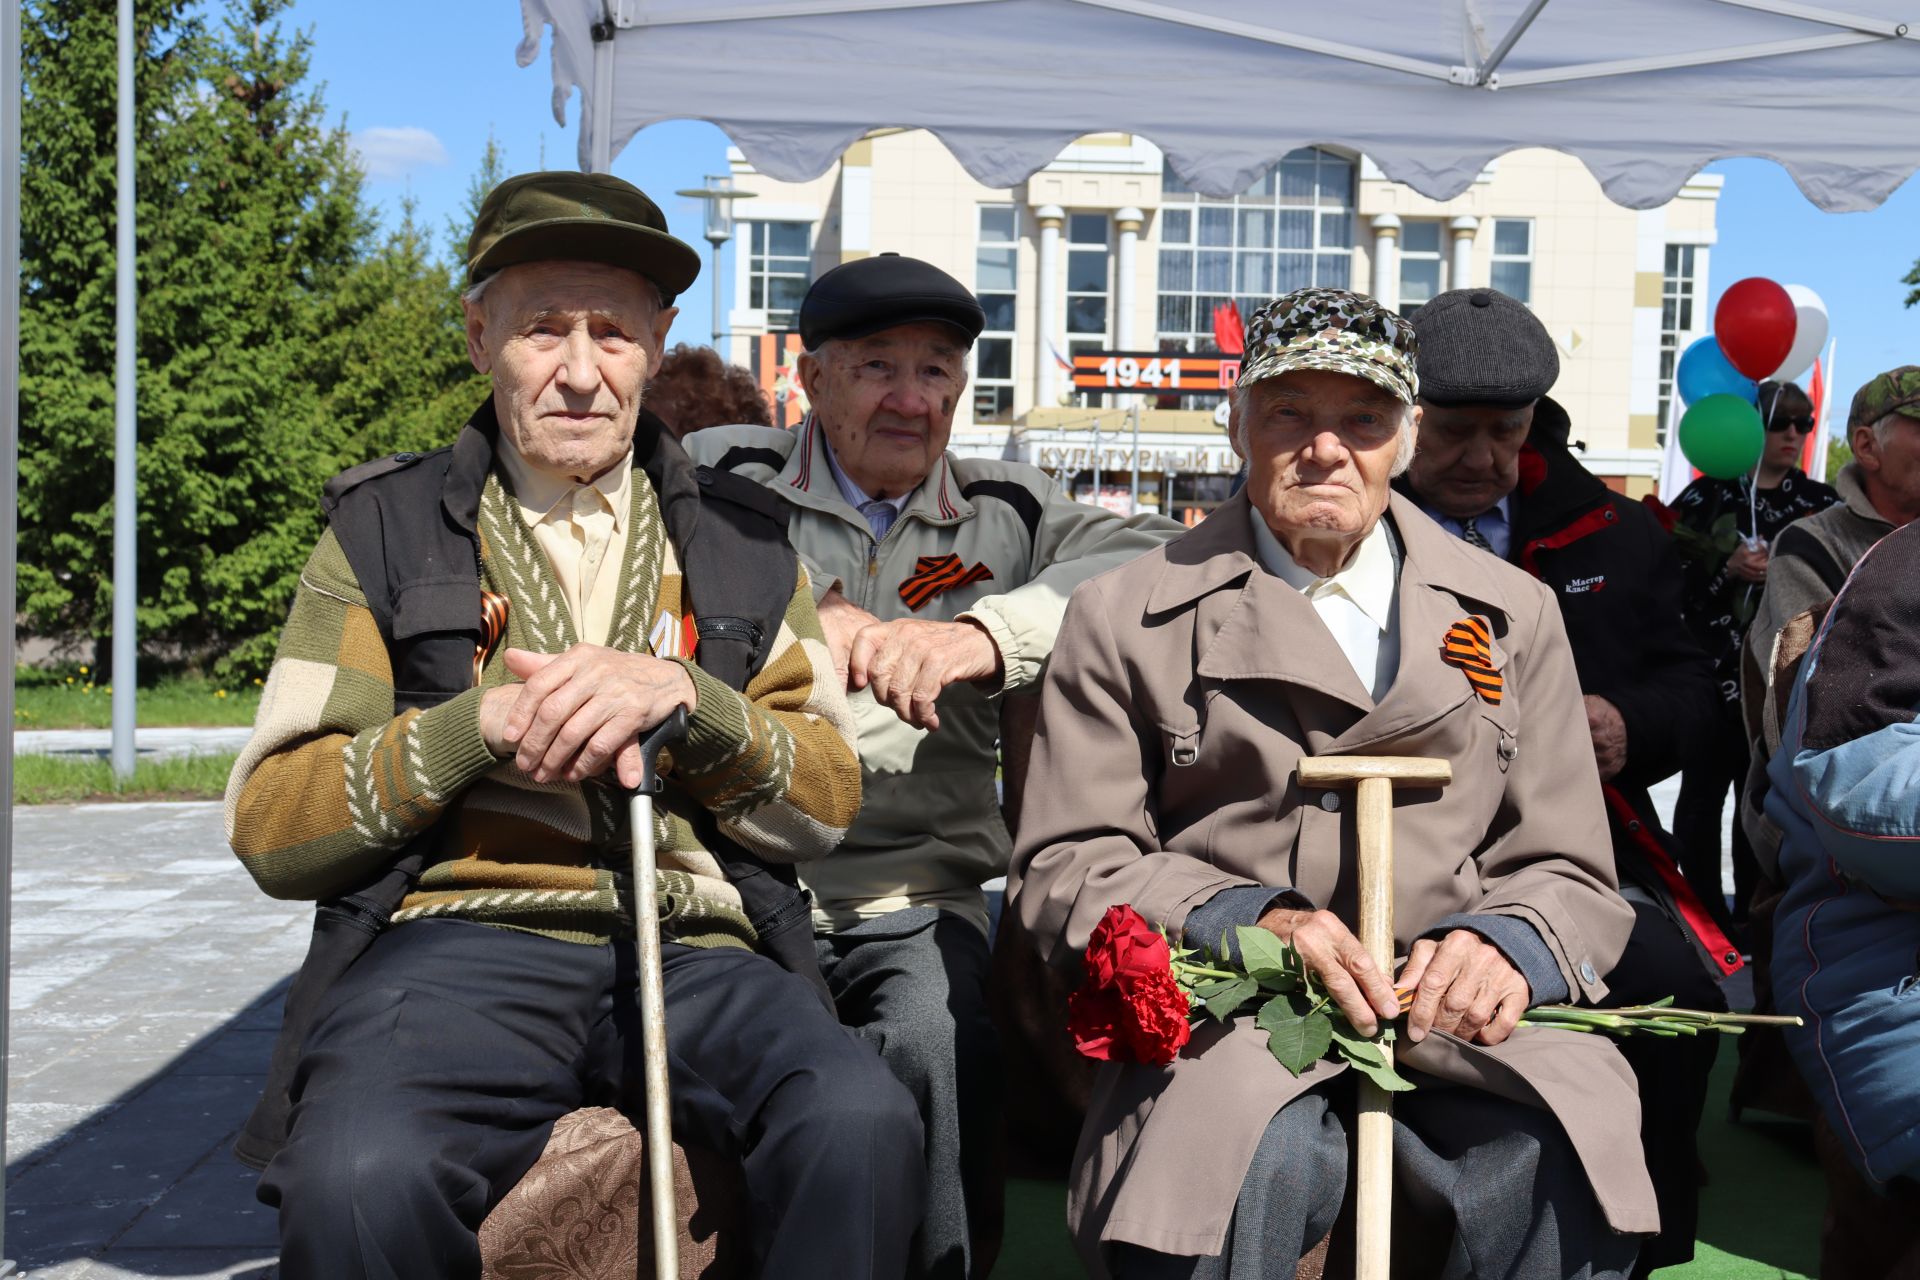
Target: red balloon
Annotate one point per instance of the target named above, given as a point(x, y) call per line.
point(1755, 323)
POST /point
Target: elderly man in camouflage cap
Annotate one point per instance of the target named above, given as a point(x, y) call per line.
point(1311, 615)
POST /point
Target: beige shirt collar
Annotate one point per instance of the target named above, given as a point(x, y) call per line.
point(539, 491)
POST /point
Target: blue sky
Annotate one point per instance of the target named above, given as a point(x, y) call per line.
point(423, 92)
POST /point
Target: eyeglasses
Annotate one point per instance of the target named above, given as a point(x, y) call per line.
point(1803, 423)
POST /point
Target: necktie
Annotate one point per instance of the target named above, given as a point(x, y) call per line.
point(880, 516)
point(1470, 530)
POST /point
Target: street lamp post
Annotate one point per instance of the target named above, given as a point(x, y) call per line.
point(719, 196)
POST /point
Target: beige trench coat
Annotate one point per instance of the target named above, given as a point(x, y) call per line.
point(1184, 688)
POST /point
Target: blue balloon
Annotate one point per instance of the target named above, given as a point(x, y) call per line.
point(1704, 371)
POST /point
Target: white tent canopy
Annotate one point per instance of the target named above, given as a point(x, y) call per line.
point(1645, 92)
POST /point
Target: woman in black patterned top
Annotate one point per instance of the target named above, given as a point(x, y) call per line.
point(1724, 529)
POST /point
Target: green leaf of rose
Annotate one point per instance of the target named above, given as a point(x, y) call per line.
point(1356, 1049)
point(1228, 995)
point(1380, 1073)
point(1264, 955)
point(1295, 1041)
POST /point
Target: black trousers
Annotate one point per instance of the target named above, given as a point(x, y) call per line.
point(441, 1060)
point(1704, 784)
point(1672, 1074)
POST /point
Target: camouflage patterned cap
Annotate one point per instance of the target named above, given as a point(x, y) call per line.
point(1334, 330)
point(1895, 391)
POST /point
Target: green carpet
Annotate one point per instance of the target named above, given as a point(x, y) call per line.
point(1759, 1213)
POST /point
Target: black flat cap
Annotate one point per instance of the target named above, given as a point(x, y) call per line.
point(578, 217)
point(1478, 346)
point(867, 295)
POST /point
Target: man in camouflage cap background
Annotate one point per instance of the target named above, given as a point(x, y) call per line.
point(1319, 613)
point(1879, 492)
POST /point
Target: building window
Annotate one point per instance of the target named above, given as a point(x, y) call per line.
point(994, 265)
point(1420, 265)
point(779, 259)
point(1676, 323)
point(1513, 257)
point(1087, 270)
point(1292, 228)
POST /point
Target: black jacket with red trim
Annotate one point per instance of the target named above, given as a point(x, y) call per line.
point(1617, 575)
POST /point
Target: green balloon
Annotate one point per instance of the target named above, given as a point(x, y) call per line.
point(1722, 436)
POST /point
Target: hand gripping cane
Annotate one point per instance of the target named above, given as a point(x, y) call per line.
point(1373, 831)
point(653, 1000)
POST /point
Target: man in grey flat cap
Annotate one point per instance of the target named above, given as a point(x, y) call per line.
point(1494, 468)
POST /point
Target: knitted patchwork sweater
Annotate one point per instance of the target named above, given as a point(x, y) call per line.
point(332, 783)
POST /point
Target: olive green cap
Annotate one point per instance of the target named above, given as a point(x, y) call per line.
point(559, 216)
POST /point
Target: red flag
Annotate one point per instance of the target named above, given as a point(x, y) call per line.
point(1816, 392)
point(1229, 335)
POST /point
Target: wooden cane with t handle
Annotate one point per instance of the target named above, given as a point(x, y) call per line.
point(1376, 777)
point(653, 999)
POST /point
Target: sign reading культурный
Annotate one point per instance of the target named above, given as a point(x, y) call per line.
point(1166, 372)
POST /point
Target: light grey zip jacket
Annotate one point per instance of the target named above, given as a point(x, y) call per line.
point(930, 832)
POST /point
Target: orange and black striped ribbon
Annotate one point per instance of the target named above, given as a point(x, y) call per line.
point(1469, 647)
point(935, 574)
point(493, 625)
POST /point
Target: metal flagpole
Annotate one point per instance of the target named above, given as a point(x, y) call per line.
point(125, 438)
point(1134, 508)
point(10, 106)
point(10, 102)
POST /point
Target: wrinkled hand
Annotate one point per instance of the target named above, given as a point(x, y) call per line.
point(1749, 561)
point(842, 620)
point(1609, 732)
point(1335, 957)
point(1463, 984)
point(581, 711)
point(909, 662)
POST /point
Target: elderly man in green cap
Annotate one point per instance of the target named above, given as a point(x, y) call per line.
point(440, 759)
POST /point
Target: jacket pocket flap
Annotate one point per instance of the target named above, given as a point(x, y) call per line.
point(436, 605)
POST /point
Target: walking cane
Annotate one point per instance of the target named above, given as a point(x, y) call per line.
point(653, 1000)
point(1377, 776)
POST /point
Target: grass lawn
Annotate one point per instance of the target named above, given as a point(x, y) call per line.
point(39, 779)
point(73, 701)
point(1759, 1213)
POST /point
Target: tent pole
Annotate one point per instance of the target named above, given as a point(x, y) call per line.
point(125, 438)
point(1500, 51)
point(600, 145)
point(10, 103)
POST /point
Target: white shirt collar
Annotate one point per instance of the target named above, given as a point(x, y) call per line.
point(1368, 578)
point(855, 496)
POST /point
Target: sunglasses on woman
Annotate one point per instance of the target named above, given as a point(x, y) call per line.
point(1800, 422)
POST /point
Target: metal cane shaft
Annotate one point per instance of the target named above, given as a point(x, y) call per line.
point(1373, 1167)
point(653, 1040)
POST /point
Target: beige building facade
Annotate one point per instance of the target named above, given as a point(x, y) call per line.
point(1106, 250)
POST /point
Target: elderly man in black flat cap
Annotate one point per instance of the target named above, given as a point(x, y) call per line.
point(1494, 467)
point(441, 758)
point(942, 582)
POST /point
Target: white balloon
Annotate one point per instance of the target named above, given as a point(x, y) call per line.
point(1809, 336)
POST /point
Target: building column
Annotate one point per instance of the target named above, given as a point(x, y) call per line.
point(1126, 331)
point(1386, 260)
point(1461, 274)
point(1047, 297)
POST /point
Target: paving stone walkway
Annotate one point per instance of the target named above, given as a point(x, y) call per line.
point(147, 974)
point(148, 744)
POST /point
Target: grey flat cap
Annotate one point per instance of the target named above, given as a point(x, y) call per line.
point(1479, 346)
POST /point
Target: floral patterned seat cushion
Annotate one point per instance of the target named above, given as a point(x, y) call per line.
point(580, 1212)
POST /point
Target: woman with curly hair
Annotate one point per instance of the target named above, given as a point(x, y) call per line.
point(695, 388)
